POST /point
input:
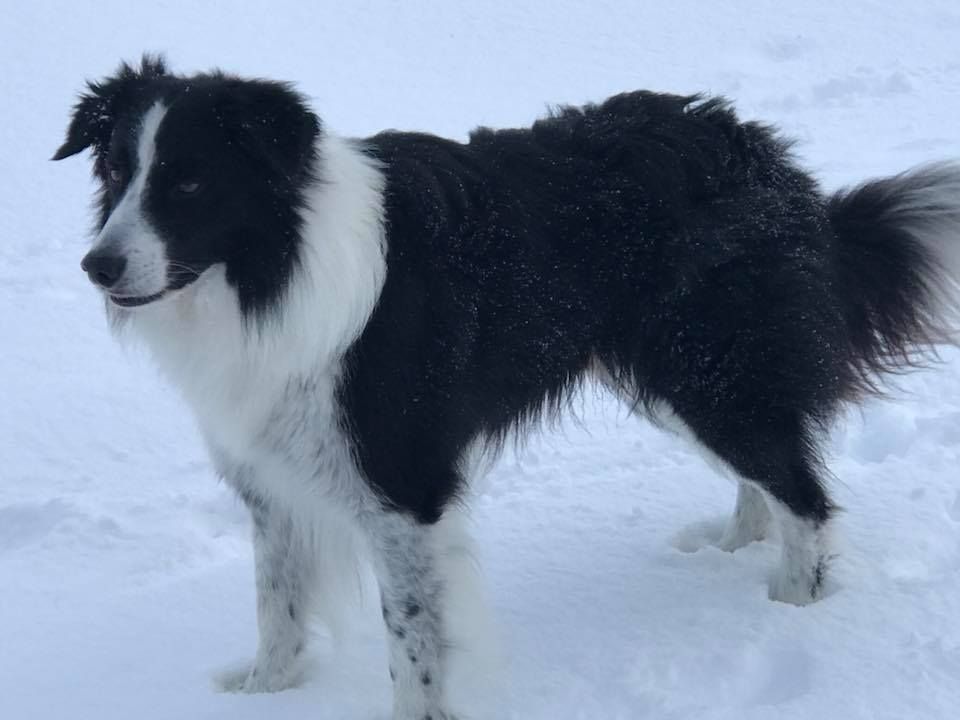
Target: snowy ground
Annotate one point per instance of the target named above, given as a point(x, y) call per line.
point(125, 568)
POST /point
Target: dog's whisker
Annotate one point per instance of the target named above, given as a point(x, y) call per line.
point(183, 268)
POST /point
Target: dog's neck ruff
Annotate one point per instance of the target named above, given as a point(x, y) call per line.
point(233, 370)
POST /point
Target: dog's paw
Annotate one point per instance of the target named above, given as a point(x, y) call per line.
point(232, 680)
point(427, 715)
point(736, 536)
point(799, 584)
point(256, 679)
point(699, 535)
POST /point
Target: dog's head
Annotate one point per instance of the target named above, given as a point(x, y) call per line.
point(195, 172)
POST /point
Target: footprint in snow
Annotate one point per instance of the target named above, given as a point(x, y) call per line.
point(22, 524)
point(781, 673)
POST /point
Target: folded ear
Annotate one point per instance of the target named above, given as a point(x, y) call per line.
point(90, 125)
point(273, 124)
point(95, 115)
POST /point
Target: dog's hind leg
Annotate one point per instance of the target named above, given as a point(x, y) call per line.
point(804, 557)
point(751, 515)
point(750, 520)
point(776, 461)
point(772, 454)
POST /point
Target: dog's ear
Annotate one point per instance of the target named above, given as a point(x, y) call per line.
point(90, 125)
point(96, 113)
point(273, 124)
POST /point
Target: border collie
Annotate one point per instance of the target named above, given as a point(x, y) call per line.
point(352, 320)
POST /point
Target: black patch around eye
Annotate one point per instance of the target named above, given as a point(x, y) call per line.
point(116, 170)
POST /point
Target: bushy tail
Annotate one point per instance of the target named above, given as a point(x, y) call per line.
point(899, 267)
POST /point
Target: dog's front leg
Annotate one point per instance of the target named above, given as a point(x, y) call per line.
point(412, 593)
point(285, 573)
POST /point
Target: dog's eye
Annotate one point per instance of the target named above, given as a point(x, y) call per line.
point(188, 187)
point(116, 175)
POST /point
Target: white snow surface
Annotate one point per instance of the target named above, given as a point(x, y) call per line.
point(126, 575)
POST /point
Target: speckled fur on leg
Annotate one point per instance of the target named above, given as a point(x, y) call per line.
point(412, 592)
point(284, 577)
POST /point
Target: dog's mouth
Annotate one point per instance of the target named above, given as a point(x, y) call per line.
point(131, 301)
point(177, 279)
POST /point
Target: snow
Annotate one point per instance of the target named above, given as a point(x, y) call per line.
point(126, 567)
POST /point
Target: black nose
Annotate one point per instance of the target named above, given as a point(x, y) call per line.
point(103, 268)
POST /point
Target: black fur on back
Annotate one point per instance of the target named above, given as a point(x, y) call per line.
point(654, 236)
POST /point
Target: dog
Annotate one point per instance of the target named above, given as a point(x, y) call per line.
point(351, 321)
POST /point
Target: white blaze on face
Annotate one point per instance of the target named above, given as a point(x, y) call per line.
point(128, 232)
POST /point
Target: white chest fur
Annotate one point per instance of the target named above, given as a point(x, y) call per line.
point(264, 395)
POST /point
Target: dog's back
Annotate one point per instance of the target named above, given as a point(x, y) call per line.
point(652, 238)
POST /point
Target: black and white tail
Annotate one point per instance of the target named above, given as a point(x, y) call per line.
point(899, 267)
